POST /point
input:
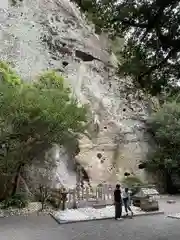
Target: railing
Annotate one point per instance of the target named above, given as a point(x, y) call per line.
point(86, 196)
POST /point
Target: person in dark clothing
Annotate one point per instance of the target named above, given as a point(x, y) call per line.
point(118, 202)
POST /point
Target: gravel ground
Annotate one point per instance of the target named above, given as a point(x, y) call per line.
point(33, 207)
point(154, 227)
point(45, 228)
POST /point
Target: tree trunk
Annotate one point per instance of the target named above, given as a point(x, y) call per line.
point(16, 179)
point(171, 188)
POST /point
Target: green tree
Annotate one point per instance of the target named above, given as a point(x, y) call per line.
point(34, 116)
point(151, 28)
point(165, 126)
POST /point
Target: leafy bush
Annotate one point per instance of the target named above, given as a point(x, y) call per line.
point(18, 200)
point(34, 116)
point(133, 183)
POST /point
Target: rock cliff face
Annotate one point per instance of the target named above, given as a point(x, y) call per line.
point(36, 35)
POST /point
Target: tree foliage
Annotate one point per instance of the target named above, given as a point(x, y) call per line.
point(152, 34)
point(34, 116)
point(165, 124)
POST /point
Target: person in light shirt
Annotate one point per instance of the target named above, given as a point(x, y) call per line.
point(126, 201)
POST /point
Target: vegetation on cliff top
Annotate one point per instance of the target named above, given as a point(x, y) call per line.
point(151, 51)
point(33, 116)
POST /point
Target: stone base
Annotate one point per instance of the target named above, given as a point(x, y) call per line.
point(89, 214)
point(149, 205)
point(99, 206)
point(171, 201)
point(175, 216)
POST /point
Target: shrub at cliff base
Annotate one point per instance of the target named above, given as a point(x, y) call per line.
point(33, 116)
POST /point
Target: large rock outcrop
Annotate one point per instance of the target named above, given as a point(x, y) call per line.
point(36, 35)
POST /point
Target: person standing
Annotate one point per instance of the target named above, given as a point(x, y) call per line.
point(118, 202)
point(127, 201)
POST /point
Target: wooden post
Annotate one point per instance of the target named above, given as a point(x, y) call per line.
point(59, 198)
point(64, 198)
point(100, 193)
point(110, 192)
point(78, 182)
point(97, 193)
point(69, 198)
point(78, 192)
point(87, 194)
point(105, 192)
point(74, 199)
point(82, 190)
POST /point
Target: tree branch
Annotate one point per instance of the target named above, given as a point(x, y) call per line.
point(132, 23)
point(156, 66)
point(167, 41)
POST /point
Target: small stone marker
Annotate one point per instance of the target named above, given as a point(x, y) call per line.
point(171, 201)
point(175, 216)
